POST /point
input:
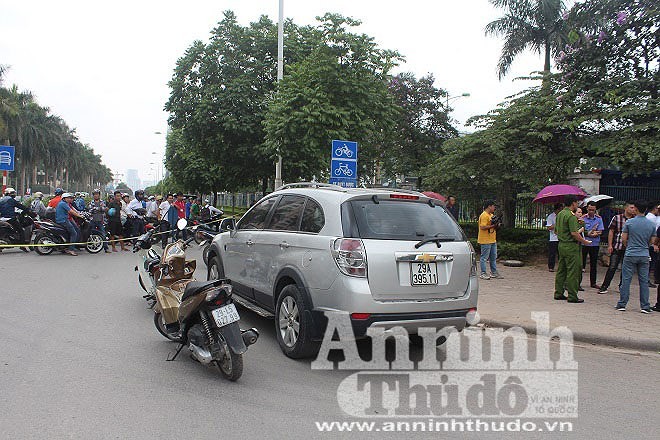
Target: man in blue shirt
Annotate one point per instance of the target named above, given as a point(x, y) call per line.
point(593, 228)
point(62, 213)
point(638, 233)
point(8, 205)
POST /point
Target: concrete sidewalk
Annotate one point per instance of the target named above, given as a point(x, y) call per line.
point(510, 301)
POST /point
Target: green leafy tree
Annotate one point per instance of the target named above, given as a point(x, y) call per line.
point(188, 168)
point(44, 141)
point(124, 188)
point(219, 96)
point(339, 91)
point(422, 125)
point(522, 145)
point(528, 24)
point(610, 80)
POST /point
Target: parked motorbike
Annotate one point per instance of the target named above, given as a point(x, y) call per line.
point(212, 225)
point(49, 233)
point(18, 230)
point(207, 238)
point(199, 315)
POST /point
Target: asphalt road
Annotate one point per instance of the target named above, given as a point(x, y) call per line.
point(80, 358)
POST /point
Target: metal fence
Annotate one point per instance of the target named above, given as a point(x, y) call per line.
point(528, 215)
point(625, 193)
point(240, 200)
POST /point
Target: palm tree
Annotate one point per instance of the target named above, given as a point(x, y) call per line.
point(529, 24)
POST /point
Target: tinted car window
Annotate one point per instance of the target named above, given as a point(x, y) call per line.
point(287, 214)
point(399, 220)
point(313, 218)
point(256, 217)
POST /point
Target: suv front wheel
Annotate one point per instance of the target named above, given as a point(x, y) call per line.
point(291, 324)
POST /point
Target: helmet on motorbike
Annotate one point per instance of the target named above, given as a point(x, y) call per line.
point(112, 212)
point(77, 194)
point(139, 194)
point(96, 191)
point(59, 191)
point(9, 191)
point(65, 195)
point(39, 195)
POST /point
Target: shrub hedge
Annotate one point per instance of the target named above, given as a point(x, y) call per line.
point(513, 243)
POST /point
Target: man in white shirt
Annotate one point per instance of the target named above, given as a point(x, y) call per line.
point(136, 211)
point(152, 208)
point(553, 243)
point(163, 209)
point(653, 216)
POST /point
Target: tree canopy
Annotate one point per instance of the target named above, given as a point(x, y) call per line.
point(610, 81)
point(44, 142)
point(528, 24)
point(231, 119)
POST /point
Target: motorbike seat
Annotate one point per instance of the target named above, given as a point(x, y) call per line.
point(194, 288)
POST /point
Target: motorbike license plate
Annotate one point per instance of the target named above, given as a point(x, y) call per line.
point(225, 315)
point(423, 274)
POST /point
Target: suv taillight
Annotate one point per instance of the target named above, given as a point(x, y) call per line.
point(350, 256)
point(473, 261)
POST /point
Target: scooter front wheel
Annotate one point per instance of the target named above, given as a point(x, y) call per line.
point(231, 365)
point(44, 240)
point(94, 244)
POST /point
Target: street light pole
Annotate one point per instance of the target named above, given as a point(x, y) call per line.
point(280, 74)
point(462, 95)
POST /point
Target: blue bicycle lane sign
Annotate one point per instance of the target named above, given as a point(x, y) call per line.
point(6, 158)
point(343, 165)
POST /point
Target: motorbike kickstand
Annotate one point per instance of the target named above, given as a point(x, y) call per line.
point(175, 354)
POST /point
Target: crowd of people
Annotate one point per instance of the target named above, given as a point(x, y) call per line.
point(632, 241)
point(122, 217)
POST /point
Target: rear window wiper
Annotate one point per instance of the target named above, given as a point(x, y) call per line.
point(435, 239)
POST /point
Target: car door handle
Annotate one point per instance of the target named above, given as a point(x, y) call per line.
point(249, 242)
point(284, 245)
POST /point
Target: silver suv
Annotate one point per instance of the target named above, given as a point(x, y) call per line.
point(387, 257)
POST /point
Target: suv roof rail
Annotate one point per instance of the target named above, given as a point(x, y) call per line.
point(400, 190)
point(312, 185)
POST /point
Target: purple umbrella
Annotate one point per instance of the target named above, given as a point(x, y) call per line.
point(556, 193)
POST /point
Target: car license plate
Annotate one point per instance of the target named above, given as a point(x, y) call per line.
point(423, 274)
point(225, 315)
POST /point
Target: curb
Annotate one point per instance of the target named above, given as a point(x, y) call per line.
point(645, 344)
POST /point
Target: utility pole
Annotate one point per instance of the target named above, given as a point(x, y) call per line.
point(280, 74)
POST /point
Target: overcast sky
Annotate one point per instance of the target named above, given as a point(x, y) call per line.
point(104, 66)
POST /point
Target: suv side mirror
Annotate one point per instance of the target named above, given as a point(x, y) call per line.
point(228, 224)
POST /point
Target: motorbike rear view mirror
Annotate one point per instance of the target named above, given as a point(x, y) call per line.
point(181, 224)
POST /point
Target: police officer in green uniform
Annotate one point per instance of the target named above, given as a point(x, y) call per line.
point(570, 257)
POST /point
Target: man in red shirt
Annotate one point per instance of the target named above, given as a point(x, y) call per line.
point(180, 206)
point(55, 200)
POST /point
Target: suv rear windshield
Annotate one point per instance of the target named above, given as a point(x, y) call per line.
point(403, 220)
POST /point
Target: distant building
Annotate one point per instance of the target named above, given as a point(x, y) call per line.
point(133, 180)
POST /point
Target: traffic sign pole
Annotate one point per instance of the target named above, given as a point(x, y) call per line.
point(4, 181)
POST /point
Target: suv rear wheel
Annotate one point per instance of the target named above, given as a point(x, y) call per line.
point(291, 326)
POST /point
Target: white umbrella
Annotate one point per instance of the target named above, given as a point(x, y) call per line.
point(600, 200)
